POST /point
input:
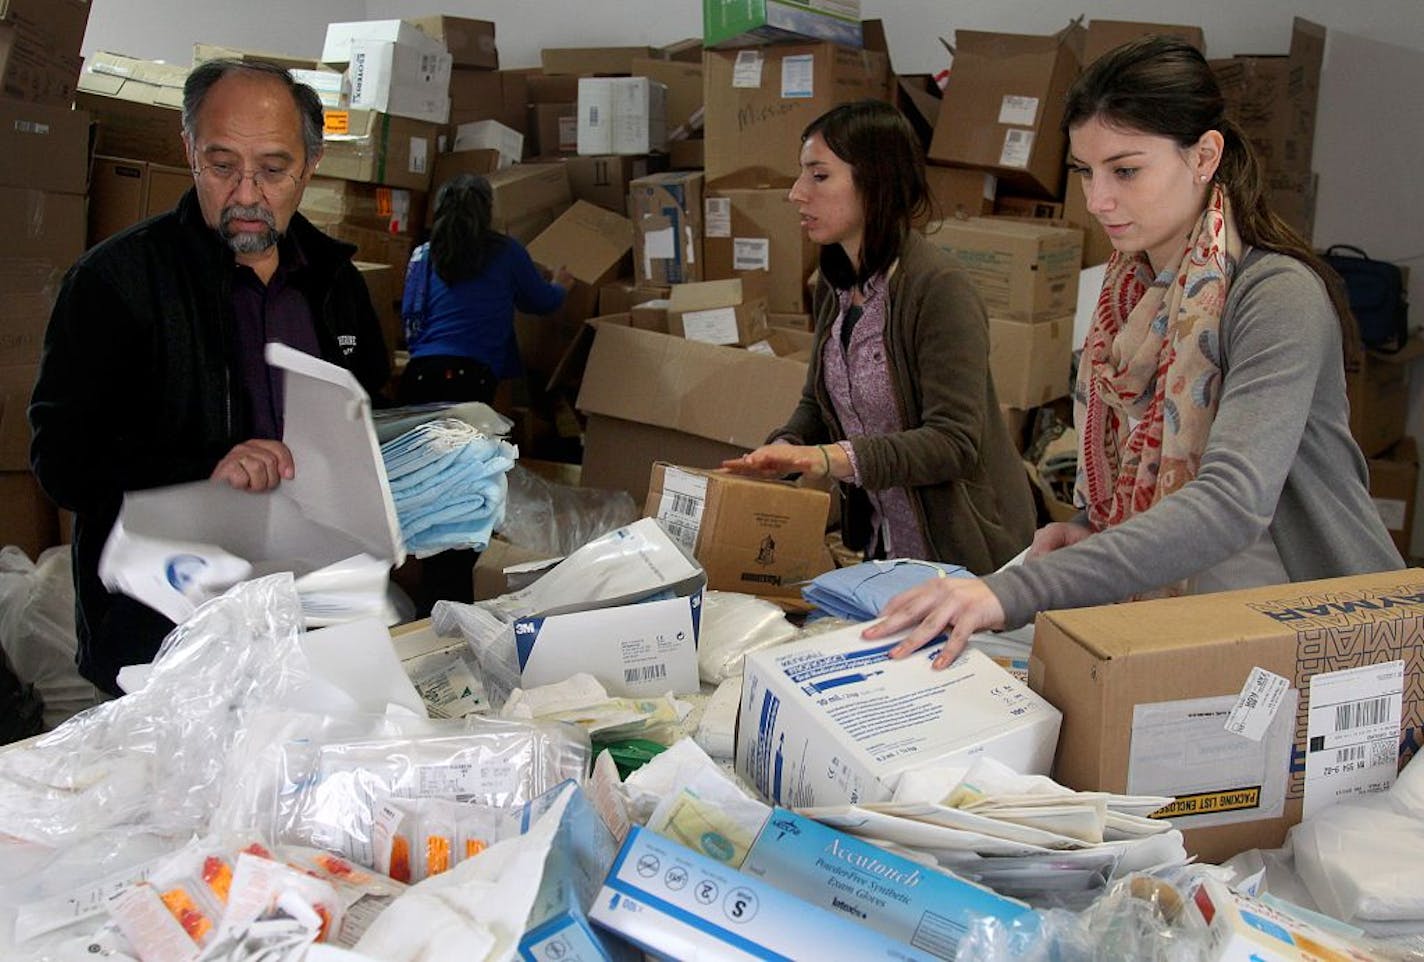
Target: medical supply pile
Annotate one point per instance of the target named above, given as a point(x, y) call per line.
point(646, 767)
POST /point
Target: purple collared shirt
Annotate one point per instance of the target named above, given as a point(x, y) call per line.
point(277, 311)
point(863, 397)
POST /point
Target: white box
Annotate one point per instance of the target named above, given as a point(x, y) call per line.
point(337, 48)
point(400, 79)
point(679, 904)
point(335, 520)
point(491, 135)
point(621, 115)
point(333, 88)
point(832, 719)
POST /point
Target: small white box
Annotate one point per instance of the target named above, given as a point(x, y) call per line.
point(490, 135)
point(833, 720)
point(400, 79)
point(337, 48)
point(621, 115)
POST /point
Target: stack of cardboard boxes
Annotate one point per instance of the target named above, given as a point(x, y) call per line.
point(44, 176)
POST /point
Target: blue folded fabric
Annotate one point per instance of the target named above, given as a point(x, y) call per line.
point(860, 592)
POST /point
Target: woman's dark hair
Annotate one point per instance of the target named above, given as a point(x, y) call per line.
point(1163, 85)
point(887, 169)
point(461, 239)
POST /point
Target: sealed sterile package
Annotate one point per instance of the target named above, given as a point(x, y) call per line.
point(732, 625)
point(319, 780)
point(154, 760)
point(556, 519)
point(415, 838)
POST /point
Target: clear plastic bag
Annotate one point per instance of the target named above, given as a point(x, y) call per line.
point(732, 625)
point(154, 760)
point(37, 630)
point(557, 519)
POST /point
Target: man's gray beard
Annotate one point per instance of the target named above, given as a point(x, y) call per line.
point(246, 243)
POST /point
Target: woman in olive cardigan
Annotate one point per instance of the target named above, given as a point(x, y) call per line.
point(899, 406)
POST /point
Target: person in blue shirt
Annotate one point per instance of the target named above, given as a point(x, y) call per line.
point(461, 292)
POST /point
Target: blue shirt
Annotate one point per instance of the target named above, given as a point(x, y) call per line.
point(475, 318)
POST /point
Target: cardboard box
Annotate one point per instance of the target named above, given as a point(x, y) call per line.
point(752, 536)
point(1291, 197)
point(687, 154)
point(1147, 688)
point(39, 49)
point(559, 89)
point(802, 747)
point(650, 315)
point(528, 198)
point(203, 52)
point(499, 567)
point(1027, 208)
point(125, 192)
point(621, 115)
point(684, 88)
point(588, 61)
point(667, 216)
point(1378, 394)
point(400, 79)
point(729, 312)
point(1105, 35)
point(957, 193)
point(679, 904)
point(328, 200)
point(1274, 98)
point(136, 108)
point(17, 383)
point(754, 114)
point(793, 322)
point(500, 95)
point(490, 135)
point(1004, 104)
point(931, 909)
point(453, 163)
point(1022, 271)
point(553, 129)
point(605, 180)
point(337, 47)
point(756, 229)
point(378, 148)
point(382, 284)
point(1031, 360)
point(593, 244)
point(470, 42)
point(652, 396)
point(28, 518)
point(376, 246)
point(44, 147)
point(41, 235)
point(735, 23)
point(1394, 483)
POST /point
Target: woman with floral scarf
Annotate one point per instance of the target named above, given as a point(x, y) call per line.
point(1214, 442)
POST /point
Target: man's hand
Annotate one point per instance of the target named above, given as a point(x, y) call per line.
point(965, 605)
point(256, 465)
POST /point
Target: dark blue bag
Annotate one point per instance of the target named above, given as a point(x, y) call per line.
point(1377, 297)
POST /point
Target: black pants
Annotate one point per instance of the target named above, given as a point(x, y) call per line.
point(445, 377)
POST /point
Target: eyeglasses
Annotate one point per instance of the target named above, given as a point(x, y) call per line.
point(271, 181)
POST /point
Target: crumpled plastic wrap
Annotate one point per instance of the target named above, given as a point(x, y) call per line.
point(37, 630)
point(732, 625)
point(557, 519)
point(318, 780)
point(154, 759)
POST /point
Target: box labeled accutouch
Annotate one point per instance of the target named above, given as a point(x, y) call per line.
point(833, 719)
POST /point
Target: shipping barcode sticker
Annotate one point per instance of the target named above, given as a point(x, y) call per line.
point(717, 221)
point(1018, 110)
point(1018, 145)
point(1257, 705)
point(715, 326)
point(419, 155)
point(1392, 512)
point(746, 73)
point(568, 133)
point(751, 253)
point(798, 77)
point(336, 122)
point(1352, 733)
point(31, 127)
point(684, 498)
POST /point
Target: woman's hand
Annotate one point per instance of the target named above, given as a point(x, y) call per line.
point(780, 458)
point(1059, 534)
point(965, 605)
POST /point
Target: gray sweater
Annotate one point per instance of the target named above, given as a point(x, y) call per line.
point(1279, 459)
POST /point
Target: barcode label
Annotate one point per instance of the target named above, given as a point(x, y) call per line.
point(1258, 703)
point(1018, 146)
point(680, 510)
point(593, 115)
point(1362, 714)
point(642, 673)
point(1354, 753)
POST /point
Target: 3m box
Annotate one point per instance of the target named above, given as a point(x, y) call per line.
point(1394, 483)
point(667, 216)
point(739, 23)
point(719, 312)
point(1147, 689)
point(1022, 271)
point(750, 230)
point(752, 536)
point(1031, 361)
point(758, 101)
point(928, 908)
point(679, 904)
point(1004, 104)
point(832, 719)
point(378, 148)
point(621, 115)
point(400, 79)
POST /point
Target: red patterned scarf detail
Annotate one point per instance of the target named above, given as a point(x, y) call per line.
point(1150, 375)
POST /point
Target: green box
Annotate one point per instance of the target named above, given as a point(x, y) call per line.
point(745, 23)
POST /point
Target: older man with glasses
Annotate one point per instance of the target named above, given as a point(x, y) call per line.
point(153, 369)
